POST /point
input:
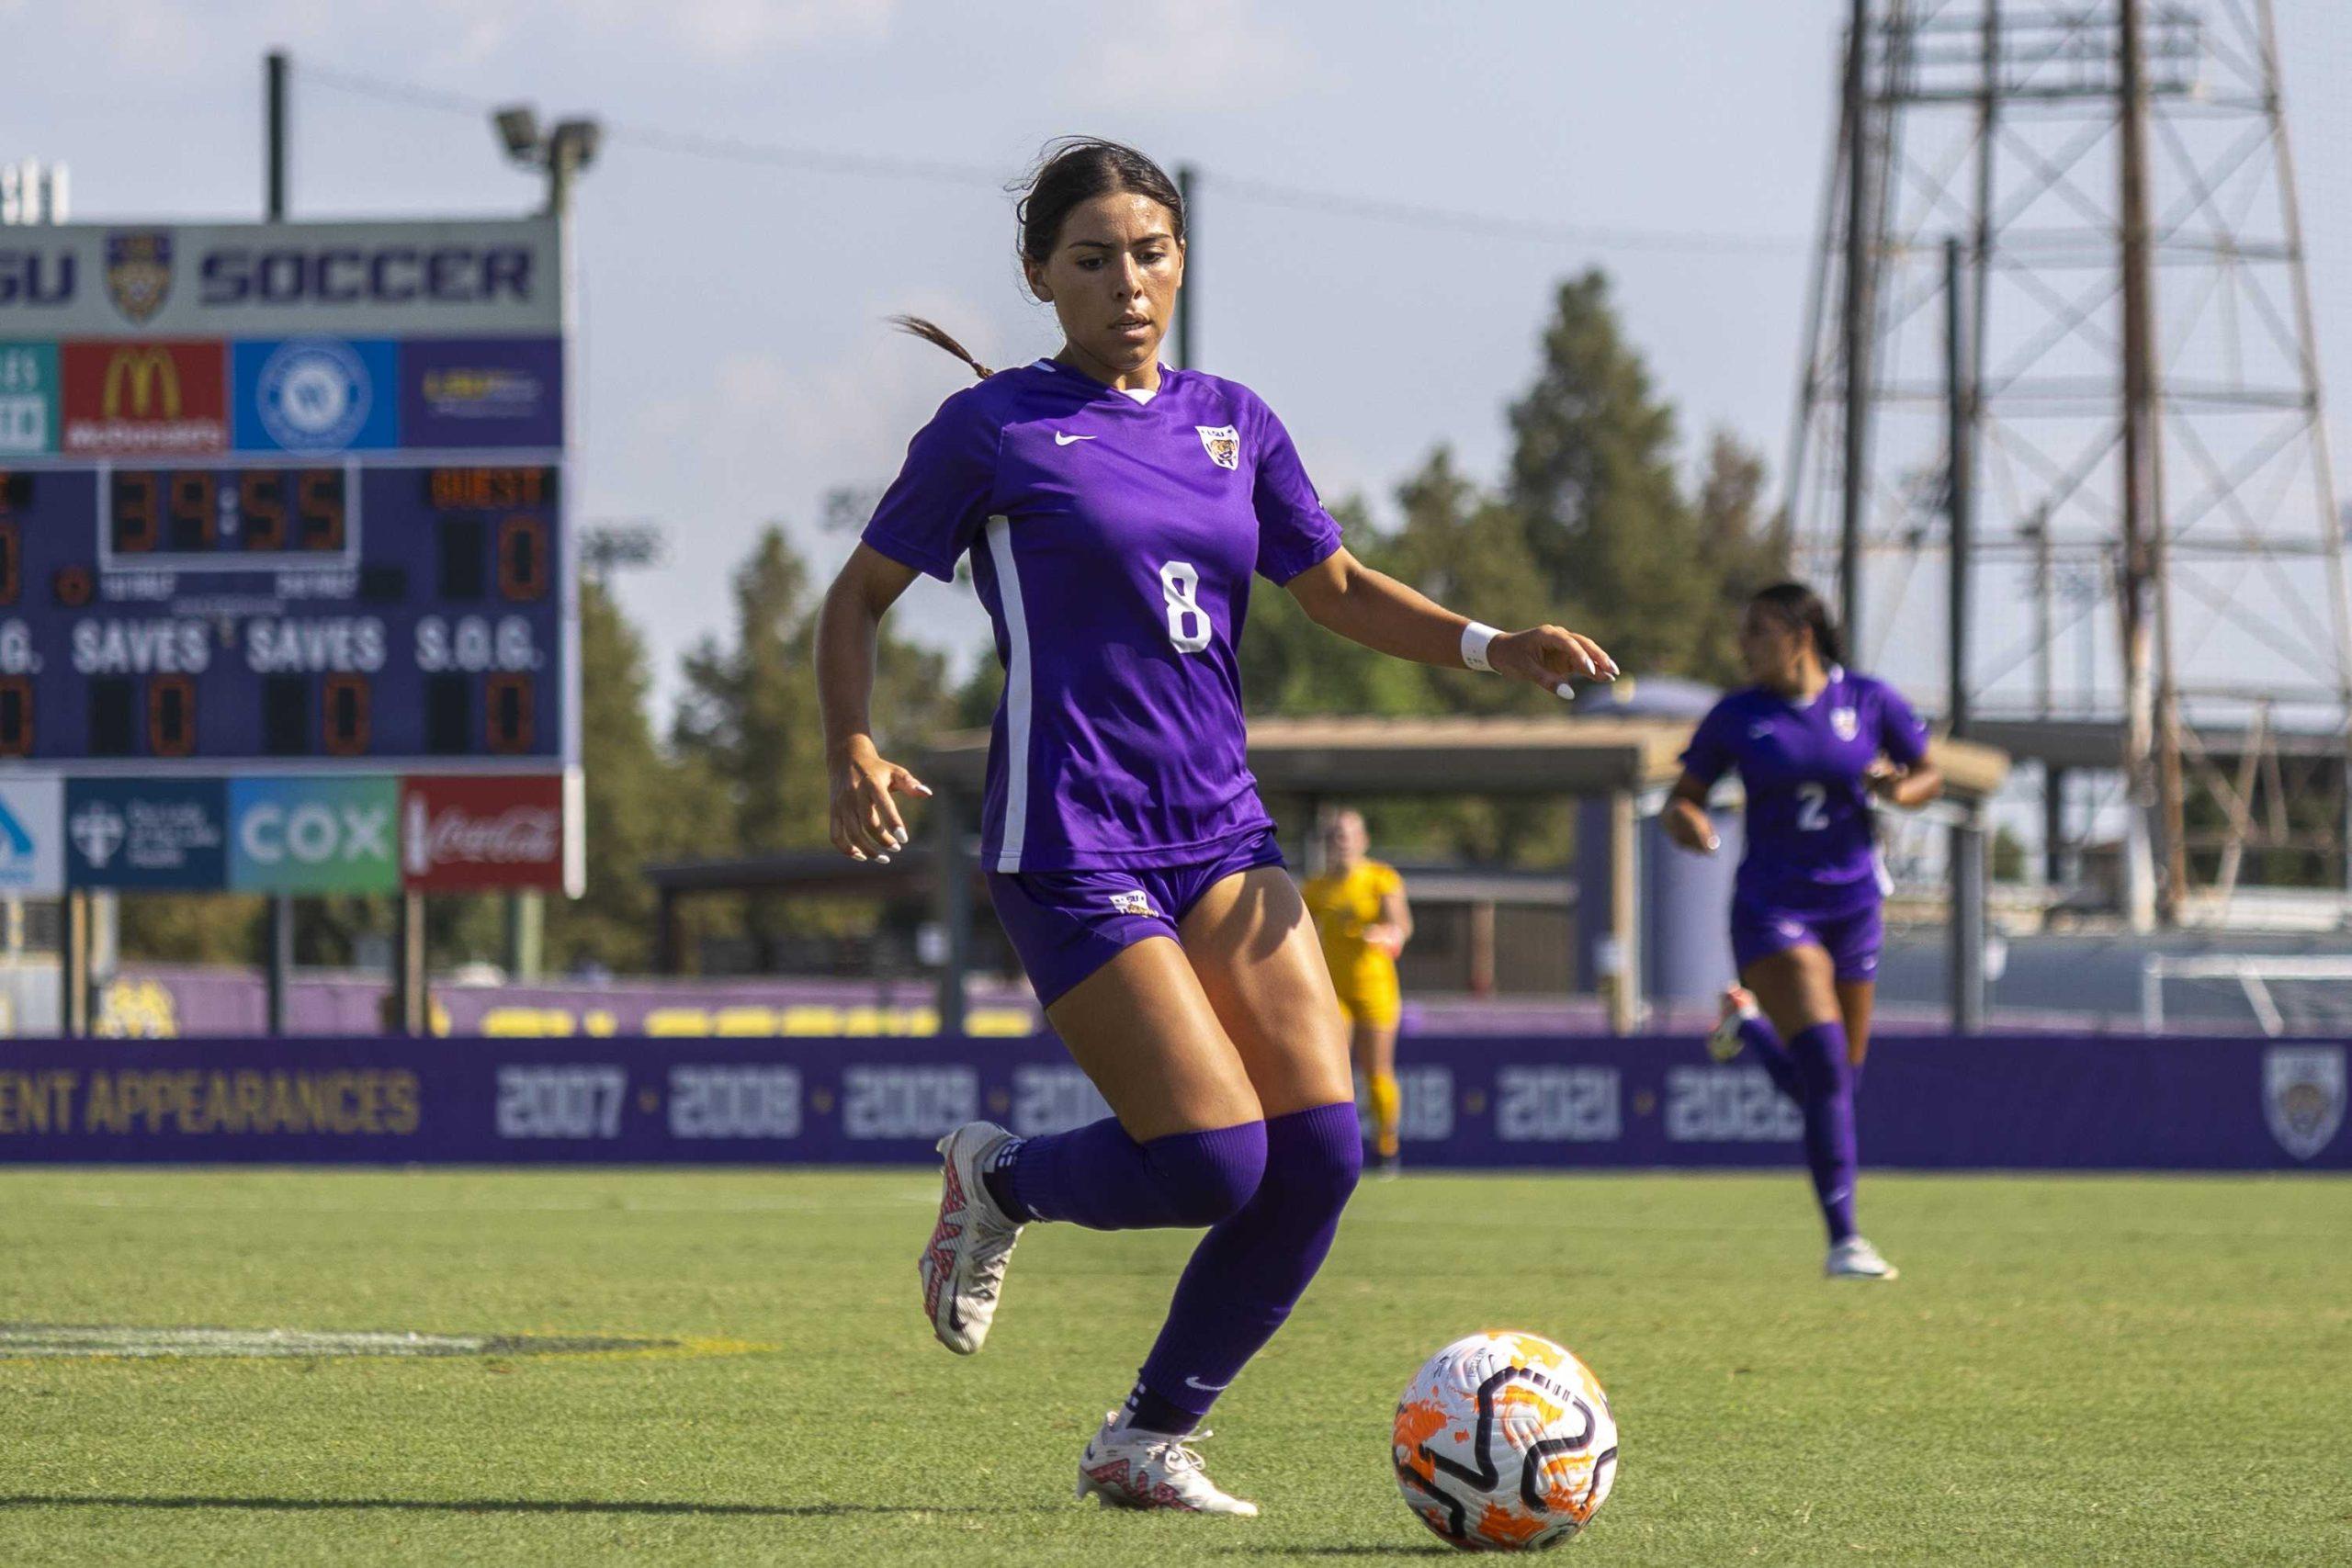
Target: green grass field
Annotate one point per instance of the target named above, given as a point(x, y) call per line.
point(2076, 1371)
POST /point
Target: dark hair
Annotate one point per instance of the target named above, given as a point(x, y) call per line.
point(1072, 171)
point(1800, 607)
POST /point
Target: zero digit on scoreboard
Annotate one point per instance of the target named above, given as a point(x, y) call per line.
point(506, 713)
point(343, 716)
point(171, 716)
point(15, 715)
point(523, 559)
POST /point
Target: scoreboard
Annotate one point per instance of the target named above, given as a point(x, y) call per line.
point(289, 501)
point(263, 617)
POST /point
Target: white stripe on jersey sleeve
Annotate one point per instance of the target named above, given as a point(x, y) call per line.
point(1016, 694)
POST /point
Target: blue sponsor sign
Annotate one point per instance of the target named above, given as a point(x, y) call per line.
point(481, 392)
point(162, 833)
point(2019, 1103)
point(315, 394)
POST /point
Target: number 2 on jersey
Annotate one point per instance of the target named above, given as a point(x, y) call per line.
point(1188, 624)
point(1813, 807)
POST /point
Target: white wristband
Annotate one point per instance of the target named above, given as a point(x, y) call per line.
point(1474, 638)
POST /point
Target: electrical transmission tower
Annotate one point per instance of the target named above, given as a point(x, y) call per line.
point(2156, 572)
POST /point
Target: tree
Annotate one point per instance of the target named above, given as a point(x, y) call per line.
point(1743, 549)
point(642, 806)
point(1593, 472)
point(748, 720)
point(1290, 666)
point(1468, 549)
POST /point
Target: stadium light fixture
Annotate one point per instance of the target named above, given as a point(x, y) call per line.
point(518, 128)
point(563, 151)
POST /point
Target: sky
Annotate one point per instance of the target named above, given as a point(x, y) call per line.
point(736, 365)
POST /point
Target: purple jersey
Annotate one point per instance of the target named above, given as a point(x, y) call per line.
point(1113, 543)
point(1809, 842)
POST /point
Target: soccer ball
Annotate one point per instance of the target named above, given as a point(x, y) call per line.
point(1504, 1442)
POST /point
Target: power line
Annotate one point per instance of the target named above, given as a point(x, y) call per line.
point(1460, 221)
point(731, 149)
point(688, 143)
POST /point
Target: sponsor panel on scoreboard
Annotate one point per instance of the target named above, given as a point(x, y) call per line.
point(461, 834)
point(314, 835)
point(147, 833)
point(27, 399)
point(481, 392)
point(32, 835)
point(145, 396)
point(316, 394)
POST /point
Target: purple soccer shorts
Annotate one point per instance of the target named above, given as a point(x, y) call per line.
point(1852, 938)
point(1066, 924)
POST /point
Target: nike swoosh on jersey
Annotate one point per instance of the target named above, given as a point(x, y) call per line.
point(1061, 440)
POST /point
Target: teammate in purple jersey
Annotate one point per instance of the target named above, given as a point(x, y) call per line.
point(1115, 511)
point(1814, 744)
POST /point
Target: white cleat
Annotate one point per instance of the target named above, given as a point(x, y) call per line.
point(1855, 1258)
point(963, 1267)
point(1130, 1468)
point(1738, 1006)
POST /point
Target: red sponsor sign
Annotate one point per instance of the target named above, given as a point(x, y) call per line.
point(152, 397)
point(482, 832)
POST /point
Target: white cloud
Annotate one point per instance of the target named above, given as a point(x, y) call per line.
point(1196, 54)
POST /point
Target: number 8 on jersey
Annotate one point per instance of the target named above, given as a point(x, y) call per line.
point(1188, 625)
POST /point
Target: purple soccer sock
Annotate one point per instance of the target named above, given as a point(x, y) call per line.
point(1100, 1178)
point(1759, 1035)
point(1248, 1273)
point(1827, 1102)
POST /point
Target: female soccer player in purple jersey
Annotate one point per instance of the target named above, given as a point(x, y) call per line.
point(1114, 510)
point(1812, 744)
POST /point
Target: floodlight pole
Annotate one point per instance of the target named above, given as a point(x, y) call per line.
point(1187, 188)
point(278, 938)
point(1966, 920)
point(1856, 327)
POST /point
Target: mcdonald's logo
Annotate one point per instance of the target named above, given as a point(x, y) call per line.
point(153, 397)
point(147, 373)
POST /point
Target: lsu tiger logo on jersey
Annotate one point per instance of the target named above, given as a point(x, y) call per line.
point(1223, 444)
point(1845, 722)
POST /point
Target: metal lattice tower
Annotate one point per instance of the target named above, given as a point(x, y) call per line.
point(2157, 551)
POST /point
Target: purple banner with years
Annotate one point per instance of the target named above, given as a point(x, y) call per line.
point(2018, 1102)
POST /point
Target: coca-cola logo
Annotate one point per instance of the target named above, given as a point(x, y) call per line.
point(521, 835)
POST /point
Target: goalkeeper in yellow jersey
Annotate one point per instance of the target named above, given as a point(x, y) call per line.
point(1362, 917)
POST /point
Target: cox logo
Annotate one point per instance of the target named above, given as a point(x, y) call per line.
point(324, 836)
point(316, 834)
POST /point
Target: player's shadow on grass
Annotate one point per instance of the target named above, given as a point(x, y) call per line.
point(504, 1506)
point(1411, 1549)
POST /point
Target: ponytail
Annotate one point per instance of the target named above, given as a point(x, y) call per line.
point(931, 333)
